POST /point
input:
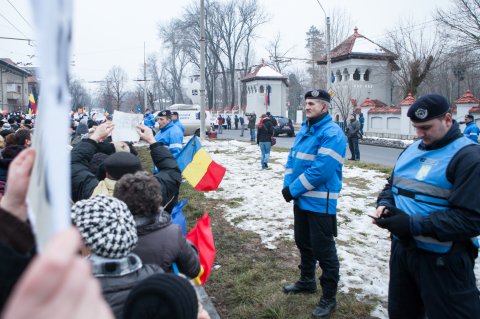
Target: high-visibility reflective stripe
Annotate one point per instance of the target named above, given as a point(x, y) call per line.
point(305, 182)
point(332, 153)
point(288, 171)
point(175, 146)
point(432, 244)
point(420, 187)
point(305, 156)
point(473, 134)
point(318, 194)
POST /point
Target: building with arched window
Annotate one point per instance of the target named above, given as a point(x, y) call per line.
point(266, 91)
point(360, 69)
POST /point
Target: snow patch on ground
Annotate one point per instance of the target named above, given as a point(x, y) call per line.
point(363, 248)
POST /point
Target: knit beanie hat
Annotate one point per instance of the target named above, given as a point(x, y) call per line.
point(121, 163)
point(106, 226)
point(162, 296)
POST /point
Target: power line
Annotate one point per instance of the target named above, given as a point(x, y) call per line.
point(20, 14)
point(1, 15)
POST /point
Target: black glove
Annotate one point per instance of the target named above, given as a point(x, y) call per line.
point(396, 221)
point(286, 194)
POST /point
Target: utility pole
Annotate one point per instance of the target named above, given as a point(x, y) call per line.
point(145, 80)
point(202, 69)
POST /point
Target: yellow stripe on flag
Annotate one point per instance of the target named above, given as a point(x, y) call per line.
point(197, 168)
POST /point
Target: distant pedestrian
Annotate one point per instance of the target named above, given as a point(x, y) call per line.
point(471, 131)
point(252, 118)
point(272, 118)
point(236, 121)
point(361, 119)
point(229, 122)
point(220, 121)
point(242, 125)
point(264, 139)
point(353, 132)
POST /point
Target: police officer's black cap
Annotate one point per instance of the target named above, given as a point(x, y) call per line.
point(166, 113)
point(470, 116)
point(428, 107)
point(175, 113)
point(318, 95)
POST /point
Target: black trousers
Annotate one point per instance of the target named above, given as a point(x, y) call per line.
point(314, 238)
point(439, 286)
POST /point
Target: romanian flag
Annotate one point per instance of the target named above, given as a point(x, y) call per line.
point(32, 106)
point(198, 168)
point(268, 90)
point(202, 237)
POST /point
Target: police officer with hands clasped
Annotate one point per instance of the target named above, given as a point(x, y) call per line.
point(431, 206)
point(313, 180)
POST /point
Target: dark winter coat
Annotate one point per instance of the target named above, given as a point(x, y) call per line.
point(84, 181)
point(265, 131)
point(16, 250)
point(115, 289)
point(161, 242)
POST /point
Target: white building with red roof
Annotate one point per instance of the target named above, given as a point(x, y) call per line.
point(266, 91)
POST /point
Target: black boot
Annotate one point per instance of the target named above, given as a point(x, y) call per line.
point(304, 285)
point(324, 308)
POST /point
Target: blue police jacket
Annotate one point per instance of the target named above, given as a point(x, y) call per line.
point(471, 131)
point(314, 166)
point(420, 185)
point(172, 137)
point(180, 125)
point(149, 120)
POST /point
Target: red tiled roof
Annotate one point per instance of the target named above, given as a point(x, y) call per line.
point(409, 100)
point(344, 50)
point(467, 98)
point(474, 109)
point(369, 102)
point(379, 110)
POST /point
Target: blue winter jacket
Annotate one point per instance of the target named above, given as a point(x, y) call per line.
point(149, 120)
point(314, 166)
point(471, 131)
point(172, 137)
point(180, 125)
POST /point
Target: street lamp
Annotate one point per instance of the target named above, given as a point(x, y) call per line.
point(329, 62)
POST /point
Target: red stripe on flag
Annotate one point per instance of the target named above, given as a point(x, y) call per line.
point(212, 178)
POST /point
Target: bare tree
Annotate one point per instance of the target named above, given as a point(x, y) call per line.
point(277, 54)
point(418, 51)
point(236, 21)
point(464, 19)
point(177, 58)
point(79, 94)
point(345, 94)
point(116, 79)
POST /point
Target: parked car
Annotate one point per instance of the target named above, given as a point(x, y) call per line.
point(284, 126)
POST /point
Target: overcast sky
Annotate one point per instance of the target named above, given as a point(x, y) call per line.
point(108, 32)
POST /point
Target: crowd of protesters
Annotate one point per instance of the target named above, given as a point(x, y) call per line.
point(131, 252)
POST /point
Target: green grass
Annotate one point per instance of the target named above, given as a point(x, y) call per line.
point(377, 167)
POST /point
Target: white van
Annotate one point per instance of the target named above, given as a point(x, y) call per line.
point(189, 116)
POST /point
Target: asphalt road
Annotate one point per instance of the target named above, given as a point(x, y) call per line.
point(368, 153)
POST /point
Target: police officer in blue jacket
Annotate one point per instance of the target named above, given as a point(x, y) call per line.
point(432, 209)
point(313, 179)
point(176, 121)
point(471, 131)
point(170, 135)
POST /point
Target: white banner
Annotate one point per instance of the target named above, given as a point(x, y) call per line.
point(125, 126)
point(49, 189)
